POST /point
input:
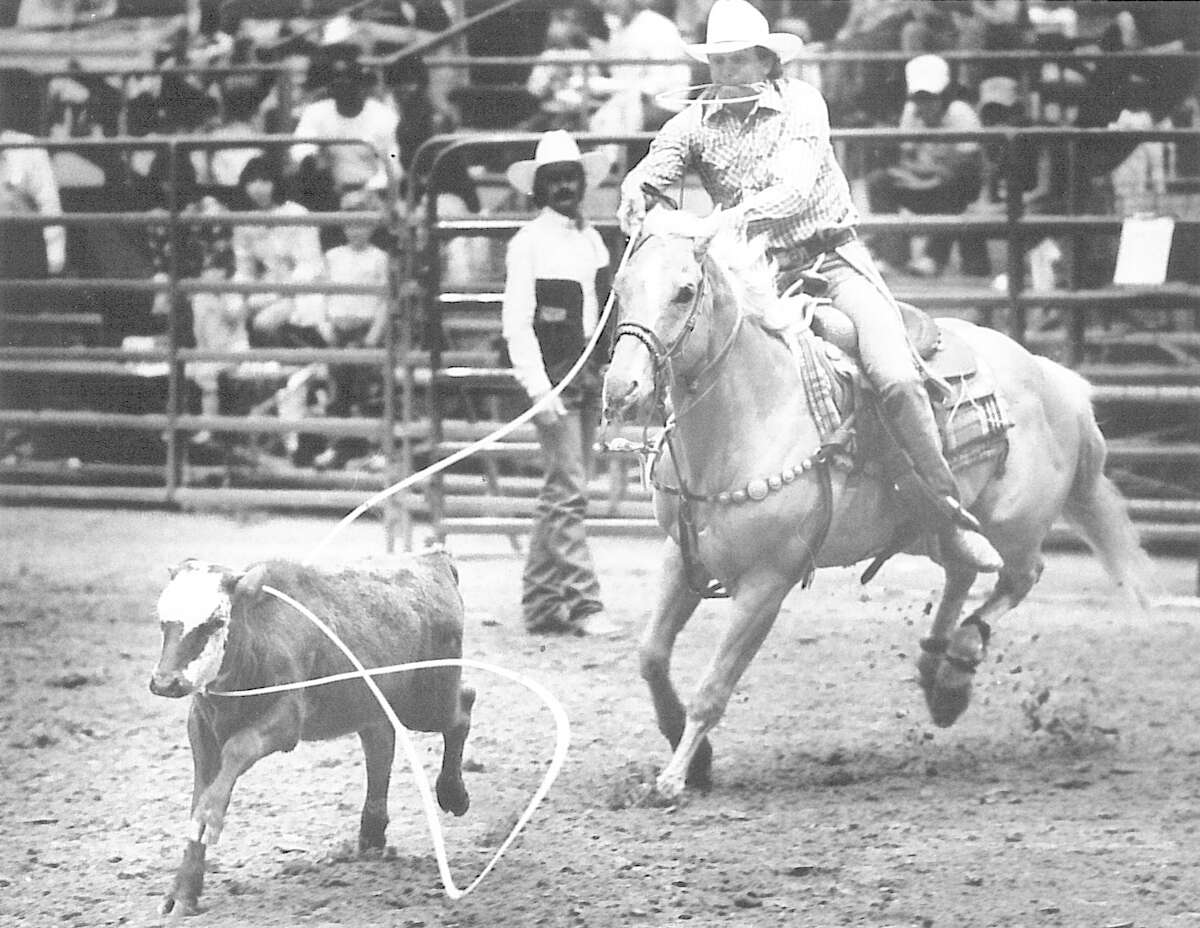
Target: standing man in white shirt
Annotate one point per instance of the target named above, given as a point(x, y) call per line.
point(557, 280)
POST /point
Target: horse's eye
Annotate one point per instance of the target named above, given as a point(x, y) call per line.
point(686, 293)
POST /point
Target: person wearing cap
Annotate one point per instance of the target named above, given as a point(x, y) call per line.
point(765, 158)
point(349, 112)
point(932, 177)
point(557, 270)
point(1021, 159)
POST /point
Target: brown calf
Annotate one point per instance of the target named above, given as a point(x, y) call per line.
point(222, 631)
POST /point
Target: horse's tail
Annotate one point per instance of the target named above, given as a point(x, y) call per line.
point(1097, 510)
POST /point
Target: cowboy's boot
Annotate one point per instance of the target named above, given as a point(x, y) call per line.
point(908, 418)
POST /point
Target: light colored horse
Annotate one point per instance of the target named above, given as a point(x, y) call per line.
point(695, 319)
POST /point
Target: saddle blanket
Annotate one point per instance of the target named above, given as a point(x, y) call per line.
point(969, 412)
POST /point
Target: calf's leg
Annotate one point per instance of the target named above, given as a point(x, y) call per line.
point(277, 729)
point(379, 748)
point(451, 791)
point(189, 878)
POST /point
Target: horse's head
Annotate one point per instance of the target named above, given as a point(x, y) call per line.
point(660, 295)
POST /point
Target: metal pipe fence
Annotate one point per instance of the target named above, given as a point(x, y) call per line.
point(394, 436)
point(442, 373)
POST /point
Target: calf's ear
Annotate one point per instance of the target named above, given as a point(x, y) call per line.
point(174, 569)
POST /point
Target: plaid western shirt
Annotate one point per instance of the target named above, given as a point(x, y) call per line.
point(778, 165)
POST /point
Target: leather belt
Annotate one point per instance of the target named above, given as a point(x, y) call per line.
point(827, 240)
point(821, 242)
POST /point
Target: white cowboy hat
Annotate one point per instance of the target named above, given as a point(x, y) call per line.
point(734, 25)
point(927, 74)
point(556, 147)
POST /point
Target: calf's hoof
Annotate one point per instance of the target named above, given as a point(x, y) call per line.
point(179, 906)
point(452, 795)
point(372, 833)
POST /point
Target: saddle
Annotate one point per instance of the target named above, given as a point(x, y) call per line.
point(970, 417)
point(944, 353)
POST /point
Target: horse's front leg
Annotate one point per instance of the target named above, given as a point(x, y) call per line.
point(755, 604)
point(676, 603)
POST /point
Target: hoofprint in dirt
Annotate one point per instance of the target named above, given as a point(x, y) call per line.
point(1066, 796)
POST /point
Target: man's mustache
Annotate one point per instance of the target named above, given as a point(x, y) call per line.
point(739, 90)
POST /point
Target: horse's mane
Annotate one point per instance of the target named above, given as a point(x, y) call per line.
point(742, 260)
point(751, 274)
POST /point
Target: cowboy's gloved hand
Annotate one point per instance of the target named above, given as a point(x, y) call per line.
point(719, 219)
point(632, 209)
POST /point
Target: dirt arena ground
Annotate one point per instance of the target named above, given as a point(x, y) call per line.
point(1067, 796)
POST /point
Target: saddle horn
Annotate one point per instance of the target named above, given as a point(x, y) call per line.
point(656, 196)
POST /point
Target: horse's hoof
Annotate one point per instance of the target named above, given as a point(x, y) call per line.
point(945, 706)
point(699, 775)
point(950, 694)
point(927, 669)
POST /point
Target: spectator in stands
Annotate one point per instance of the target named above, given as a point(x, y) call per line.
point(645, 96)
point(557, 281)
point(142, 119)
point(241, 118)
point(349, 112)
point(1139, 182)
point(218, 324)
point(355, 321)
point(27, 185)
point(869, 93)
point(201, 248)
point(1030, 166)
point(932, 177)
point(278, 254)
point(566, 82)
point(992, 26)
point(1022, 159)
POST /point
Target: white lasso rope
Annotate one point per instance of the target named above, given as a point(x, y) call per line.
point(561, 742)
point(682, 96)
point(506, 429)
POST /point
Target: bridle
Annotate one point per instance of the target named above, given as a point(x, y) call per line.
point(663, 355)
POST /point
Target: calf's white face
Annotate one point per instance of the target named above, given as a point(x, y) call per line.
point(193, 610)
